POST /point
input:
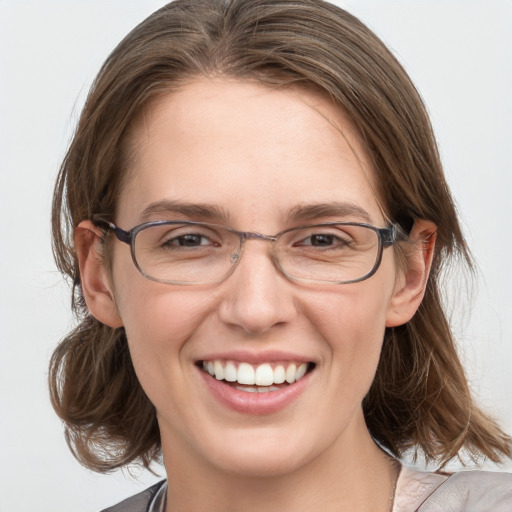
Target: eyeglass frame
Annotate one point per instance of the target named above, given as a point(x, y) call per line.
point(386, 236)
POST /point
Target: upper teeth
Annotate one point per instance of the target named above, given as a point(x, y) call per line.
point(261, 375)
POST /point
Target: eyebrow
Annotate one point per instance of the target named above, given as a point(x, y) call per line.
point(332, 209)
point(166, 208)
point(201, 211)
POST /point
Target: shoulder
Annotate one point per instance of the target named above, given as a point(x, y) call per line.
point(145, 501)
point(472, 491)
point(465, 491)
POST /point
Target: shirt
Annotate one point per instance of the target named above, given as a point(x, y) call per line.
point(416, 491)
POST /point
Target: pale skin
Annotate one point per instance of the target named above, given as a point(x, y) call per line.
point(256, 155)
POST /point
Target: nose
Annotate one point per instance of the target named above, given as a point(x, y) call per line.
point(256, 297)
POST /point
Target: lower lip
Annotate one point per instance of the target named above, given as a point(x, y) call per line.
point(254, 403)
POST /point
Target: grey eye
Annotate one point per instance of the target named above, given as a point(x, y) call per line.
point(324, 240)
point(189, 240)
point(321, 240)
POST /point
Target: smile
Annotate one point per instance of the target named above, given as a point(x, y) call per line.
point(261, 378)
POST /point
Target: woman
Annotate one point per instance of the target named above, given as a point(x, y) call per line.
point(255, 218)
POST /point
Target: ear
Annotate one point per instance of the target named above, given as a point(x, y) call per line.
point(96, 286)
point(412, 281)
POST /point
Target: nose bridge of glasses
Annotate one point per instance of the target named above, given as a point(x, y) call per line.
point(249, 235)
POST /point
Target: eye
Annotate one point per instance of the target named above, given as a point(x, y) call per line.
point(319, 240)
point(178, 237)
point(324, 240)
point(189, 240)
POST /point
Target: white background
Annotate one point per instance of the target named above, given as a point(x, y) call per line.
point(459, 53)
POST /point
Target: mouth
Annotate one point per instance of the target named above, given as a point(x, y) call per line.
point(256, 378)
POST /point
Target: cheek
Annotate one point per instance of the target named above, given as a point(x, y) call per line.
point(352, 322)
point(159, 325)
point(352, 325)
point(158, 320)
point(356, 311)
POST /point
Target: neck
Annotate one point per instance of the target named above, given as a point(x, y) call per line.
point(355, 475)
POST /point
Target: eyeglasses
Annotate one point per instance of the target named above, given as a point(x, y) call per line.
point(194, 253)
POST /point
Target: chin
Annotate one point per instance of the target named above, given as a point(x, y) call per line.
point(263, 451)
point(259, 463)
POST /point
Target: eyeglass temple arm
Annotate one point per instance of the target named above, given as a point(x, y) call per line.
point(121, 234)
point(390, 235)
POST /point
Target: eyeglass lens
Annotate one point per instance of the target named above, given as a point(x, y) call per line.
point(205, 253)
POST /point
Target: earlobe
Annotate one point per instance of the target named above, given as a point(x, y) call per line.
point(95, 284)
point(412, 282)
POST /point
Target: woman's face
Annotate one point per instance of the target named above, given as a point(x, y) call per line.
point(254, 159)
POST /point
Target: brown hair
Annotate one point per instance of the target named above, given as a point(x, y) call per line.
point(420, 397)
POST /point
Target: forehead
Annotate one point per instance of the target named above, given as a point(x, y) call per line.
point(218, 141)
